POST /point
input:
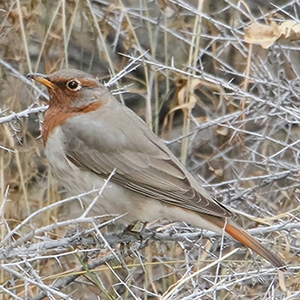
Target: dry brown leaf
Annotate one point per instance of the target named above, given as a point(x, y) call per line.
point(188, 89)
point(290, 30)
point(167, 9)
point(267, 35)
point(14, 14)
point(222, 131)
point(219, 172)
point(181, 96)
point(187, 105)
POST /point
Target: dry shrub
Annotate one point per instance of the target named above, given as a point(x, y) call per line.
point(229, 109)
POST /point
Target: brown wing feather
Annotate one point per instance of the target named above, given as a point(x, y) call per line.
point(143, 163)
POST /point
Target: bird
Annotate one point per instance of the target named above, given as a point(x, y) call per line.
point(89, 135)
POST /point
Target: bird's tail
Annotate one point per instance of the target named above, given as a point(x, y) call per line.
point(249, 241)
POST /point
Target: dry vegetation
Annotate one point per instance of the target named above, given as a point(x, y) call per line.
point(229, 109)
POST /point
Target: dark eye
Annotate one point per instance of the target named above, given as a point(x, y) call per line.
point(73, 85)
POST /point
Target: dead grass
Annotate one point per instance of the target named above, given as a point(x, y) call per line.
point(228, 109)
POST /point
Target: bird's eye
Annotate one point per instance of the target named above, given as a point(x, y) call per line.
point(74, 85)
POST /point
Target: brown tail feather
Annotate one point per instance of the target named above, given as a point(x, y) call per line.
point(246, 239)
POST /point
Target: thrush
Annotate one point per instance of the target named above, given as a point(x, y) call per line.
point(88, 134)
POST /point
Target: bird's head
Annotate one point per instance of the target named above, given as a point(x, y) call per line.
point(71, 90)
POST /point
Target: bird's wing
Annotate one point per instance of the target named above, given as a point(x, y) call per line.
point(114, 137)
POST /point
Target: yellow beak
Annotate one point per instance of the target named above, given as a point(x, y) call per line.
point(41, 78)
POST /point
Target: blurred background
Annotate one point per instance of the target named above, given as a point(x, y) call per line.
point(218, 81)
